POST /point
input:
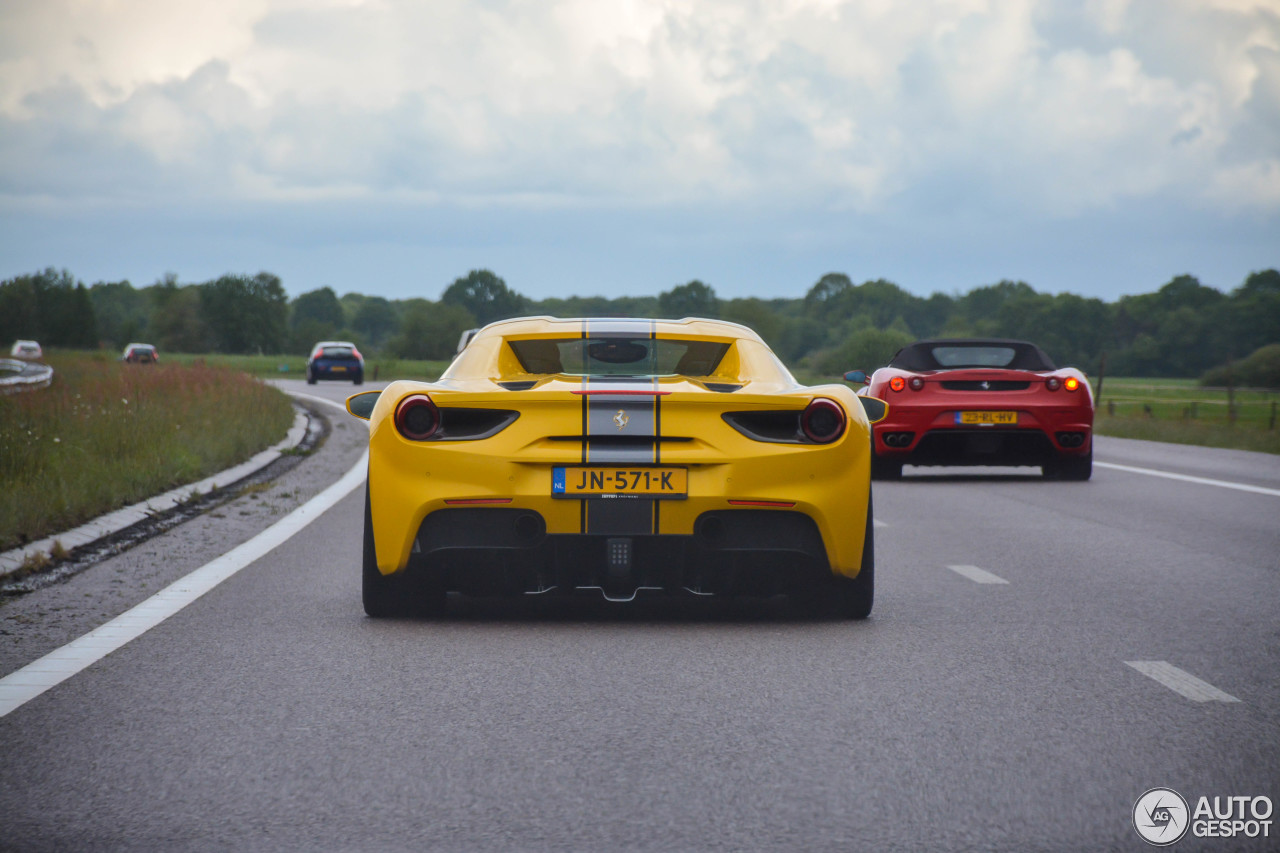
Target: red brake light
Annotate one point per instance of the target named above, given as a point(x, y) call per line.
point(897, 383)
point(357, 354)
point(417, 418)
point(1053, 383)
point(1071, 384)
point(916, 383)
point(822, 421)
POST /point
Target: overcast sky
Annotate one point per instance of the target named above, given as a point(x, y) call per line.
point(621, 147)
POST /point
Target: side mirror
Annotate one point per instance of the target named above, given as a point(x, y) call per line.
point(361, 405)
point(875, 408)
point(857, 376)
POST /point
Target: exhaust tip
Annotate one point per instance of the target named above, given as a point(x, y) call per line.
point(529, 527)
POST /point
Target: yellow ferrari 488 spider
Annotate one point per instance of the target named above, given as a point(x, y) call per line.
point(617, 456)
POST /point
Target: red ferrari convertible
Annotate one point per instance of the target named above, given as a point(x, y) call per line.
point(980, 402)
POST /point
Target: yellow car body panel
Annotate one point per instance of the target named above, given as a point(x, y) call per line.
point(409, 480)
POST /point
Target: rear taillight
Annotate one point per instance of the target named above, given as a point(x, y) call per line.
point(357, 354)
point(897, 383)
point(1053, 383)
point(823, 421)
point(1071, 383)
point(417, 418)
point(916, 383)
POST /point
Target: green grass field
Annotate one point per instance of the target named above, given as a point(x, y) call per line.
point(106, 434)
point(295, 366)
point(1182, 412)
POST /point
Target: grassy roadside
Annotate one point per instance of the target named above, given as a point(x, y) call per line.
point(106, 435)
point(1181, 412)
point(295, 366)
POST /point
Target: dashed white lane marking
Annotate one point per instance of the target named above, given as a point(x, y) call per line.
point(1180, 681)
point(976, 574)
point(878, 523)
point(1187, 478)
point(18, 688)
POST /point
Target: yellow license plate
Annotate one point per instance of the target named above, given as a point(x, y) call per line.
point(611, 480)
point(986, 417)
point(338, 369)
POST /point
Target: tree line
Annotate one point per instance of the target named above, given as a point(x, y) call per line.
point(1184, 328)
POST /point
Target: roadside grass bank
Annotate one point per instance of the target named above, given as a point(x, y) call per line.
point(106, 434)
point(295, 366)
point(1182, 412)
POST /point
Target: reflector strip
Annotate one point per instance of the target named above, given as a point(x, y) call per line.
point(457, 501)
point(763, 503)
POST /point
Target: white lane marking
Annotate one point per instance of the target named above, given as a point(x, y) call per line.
point(18, 688)
point(976, 574)
point(1187, 478)
point(1180, 681)
point(325, 400)
point(878, 523)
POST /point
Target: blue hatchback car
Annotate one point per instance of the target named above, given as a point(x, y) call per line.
point(335, 360)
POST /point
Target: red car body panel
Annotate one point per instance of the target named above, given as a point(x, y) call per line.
point(926, 420)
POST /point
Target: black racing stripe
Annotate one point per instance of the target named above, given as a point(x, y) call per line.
point(586, 405)
point(657, 427)
point(586, 402)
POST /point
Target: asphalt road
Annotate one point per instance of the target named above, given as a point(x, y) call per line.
point(964, 715)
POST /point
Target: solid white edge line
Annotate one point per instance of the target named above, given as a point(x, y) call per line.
point(20, 687)
point(976, 574)
point(1180, 681)
point(325, 400)
point(1187, 478)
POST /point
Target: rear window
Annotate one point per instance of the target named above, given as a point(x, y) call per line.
point(337, 352)
point(619, 356)
point(954, 356)
point(948, 354)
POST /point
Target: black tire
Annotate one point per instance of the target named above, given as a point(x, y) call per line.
point(409, 593)
point(885, 469)
point(311, 379)
point(359, 380)
point(1078, 468)
point(851, 598)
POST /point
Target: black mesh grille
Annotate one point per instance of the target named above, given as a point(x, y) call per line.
point(985, 385)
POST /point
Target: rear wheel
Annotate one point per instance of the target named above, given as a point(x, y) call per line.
point(885, 469)
point(311, 377)
point(408, 593)
point(1071, 467)
point(851, 598)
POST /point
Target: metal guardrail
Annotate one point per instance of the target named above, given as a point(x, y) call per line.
point(23, 376)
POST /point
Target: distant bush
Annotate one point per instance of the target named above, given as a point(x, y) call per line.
point(1261, 369)
point(864, 349)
